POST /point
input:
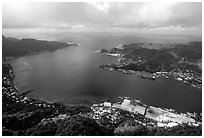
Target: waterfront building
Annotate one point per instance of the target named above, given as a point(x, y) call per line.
point(126, 102)
point(107, 104)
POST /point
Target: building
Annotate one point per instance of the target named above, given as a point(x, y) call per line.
point(126, 105)
point(162, 118)
point(126, 102)
point(179, 79)
point(139, 109)
point(107, 104)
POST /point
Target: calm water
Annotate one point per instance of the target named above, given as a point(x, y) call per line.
point(71, 76)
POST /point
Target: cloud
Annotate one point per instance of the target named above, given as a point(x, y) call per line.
point(101, 6)
point(101, 15)
point(186, 14)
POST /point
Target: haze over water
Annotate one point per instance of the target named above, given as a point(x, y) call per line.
point(71, 75)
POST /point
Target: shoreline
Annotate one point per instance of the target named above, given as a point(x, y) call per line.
point(18, 92)
point(162, 116)
point(53, 112)
point(40, 100)
point(153, 76)
point(131, 72)
point(123, 62)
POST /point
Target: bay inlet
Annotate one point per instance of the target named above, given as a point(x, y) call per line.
point(72, 76)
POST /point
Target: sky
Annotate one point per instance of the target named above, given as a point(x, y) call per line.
point(150, 17)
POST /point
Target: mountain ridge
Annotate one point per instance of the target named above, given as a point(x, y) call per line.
point(12, 47)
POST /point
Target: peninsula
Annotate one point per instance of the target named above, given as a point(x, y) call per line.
point(181, 62)
point(12, 47)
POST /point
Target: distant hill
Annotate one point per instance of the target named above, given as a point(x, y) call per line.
point(12, 39)
point(192, 51)
point(155, 57)
point(19, 47)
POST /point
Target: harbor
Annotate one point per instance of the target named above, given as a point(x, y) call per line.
point(157, 117)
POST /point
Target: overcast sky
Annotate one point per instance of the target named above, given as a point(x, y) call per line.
point(99, 16)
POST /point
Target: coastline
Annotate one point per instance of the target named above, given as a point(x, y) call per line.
point(51, 102)
point(52, 112)
point(16, 88)
point(39, 112)
point(191, 79)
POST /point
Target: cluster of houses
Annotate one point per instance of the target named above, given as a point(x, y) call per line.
point(164, 118)
point(72, 44)
point(9, 91)
point(167, 118)
point(102, 110)
point(185, 75)
point(6, 81)
point(54, 119)
point(18, 98)
point(189, 78)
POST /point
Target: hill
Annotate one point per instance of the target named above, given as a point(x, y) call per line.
point(178, 61)
point(192, 51)
point(12, 47)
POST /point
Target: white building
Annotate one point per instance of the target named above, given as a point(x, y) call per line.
point(126, 102)
point(171, 124)
point(107, 104)
point(179, 79)
point(126, 105)
point(162, 118)
point(139, 109)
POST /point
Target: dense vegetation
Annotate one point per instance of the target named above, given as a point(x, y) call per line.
point(141, 130)
point(12, 47)
point(141, 57)
point(73, 126)
point(192, 52)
